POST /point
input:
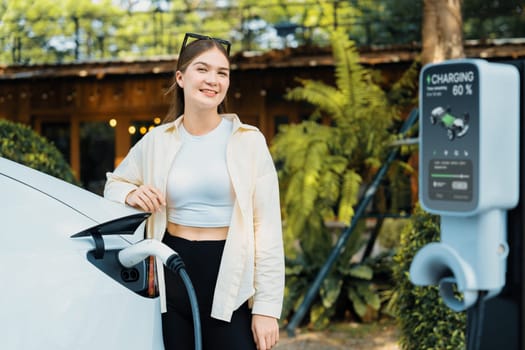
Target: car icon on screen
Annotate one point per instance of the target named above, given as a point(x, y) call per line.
point(455, 126)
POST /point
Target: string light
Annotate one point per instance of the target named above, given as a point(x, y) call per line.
point(112, 122)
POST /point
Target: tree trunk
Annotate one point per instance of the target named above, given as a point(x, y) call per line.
point(442, 30)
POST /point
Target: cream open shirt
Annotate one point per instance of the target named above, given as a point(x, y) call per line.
point(253, 259)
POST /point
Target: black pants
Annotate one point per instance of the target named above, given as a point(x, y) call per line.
point(201, 259)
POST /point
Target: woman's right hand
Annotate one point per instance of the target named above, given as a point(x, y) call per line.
point(147, 198)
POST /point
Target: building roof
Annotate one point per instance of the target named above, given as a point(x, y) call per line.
point(499, 49)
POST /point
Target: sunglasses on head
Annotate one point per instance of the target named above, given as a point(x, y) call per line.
point(225, 43)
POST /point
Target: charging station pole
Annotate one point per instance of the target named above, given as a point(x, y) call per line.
point(470, 174)
point(504, 318)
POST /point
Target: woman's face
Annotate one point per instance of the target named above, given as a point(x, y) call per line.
point(206, 80)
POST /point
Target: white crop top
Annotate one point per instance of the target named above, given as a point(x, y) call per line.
point(199, 190)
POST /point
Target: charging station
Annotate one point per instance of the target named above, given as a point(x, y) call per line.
point(469, 174)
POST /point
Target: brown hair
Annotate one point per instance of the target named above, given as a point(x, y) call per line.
point(187, 55)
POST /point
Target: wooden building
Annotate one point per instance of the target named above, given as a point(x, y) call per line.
point(94, 111)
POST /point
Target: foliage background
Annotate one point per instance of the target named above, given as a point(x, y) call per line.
point(21, 144)
point(48, 31)
point(324, 167)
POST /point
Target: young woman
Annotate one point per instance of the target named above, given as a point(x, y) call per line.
point(211, 186)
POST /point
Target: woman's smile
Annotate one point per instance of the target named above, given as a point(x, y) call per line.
point(208, 92)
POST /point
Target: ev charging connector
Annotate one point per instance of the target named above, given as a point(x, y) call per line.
point(468, 174)
point(132, 255)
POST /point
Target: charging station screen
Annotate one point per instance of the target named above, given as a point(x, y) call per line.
point(450, 179)
point(450, 135)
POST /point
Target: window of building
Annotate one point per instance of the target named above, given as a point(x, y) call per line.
point(97, 154)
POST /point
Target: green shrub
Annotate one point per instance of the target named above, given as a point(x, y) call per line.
point(391, 231)
point(21, 144)
point(425, 322)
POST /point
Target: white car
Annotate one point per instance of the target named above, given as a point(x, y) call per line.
point(61, 288)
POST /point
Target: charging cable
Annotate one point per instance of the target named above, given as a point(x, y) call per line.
point(134, 254)
point(475, 316)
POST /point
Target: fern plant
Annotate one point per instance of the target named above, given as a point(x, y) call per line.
point(321, 170)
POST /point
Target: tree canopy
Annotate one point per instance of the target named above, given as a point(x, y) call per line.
point(47, 31)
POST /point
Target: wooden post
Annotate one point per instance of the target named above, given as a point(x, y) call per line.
point(122, 139)
point(74, 151)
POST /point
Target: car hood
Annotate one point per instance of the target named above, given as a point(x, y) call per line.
point(90, 205)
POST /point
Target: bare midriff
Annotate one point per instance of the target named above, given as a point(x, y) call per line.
point(198, 233)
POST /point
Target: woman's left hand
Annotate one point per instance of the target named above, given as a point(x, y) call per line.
point(265, 331)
